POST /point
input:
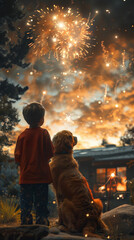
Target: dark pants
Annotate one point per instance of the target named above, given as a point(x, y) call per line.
point(36, 194)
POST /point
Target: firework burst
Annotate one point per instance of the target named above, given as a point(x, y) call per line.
point(61, 32)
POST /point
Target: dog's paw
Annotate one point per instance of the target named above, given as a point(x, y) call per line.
point(54, 230)
point(62, 228)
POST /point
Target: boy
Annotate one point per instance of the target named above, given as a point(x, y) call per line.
point(33, 152)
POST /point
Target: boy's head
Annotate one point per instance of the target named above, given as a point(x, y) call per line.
point(33, 114)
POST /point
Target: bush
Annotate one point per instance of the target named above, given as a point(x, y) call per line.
point(9, 211)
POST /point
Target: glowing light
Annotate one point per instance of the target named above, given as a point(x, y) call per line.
point(107, 11)
point(87, 215)
point(54, 17)
point(44, 92)
point(31, 73)
point(99, 102)
point(70, 45)
point(107, 64)
point(116, 105)
point(54, 202)
point(86, 235)
point(112, 175)
point(61, 25)
point(116, 36)
point(64, 73)
point(54, 39)
point(66, 38)
point(101, 188)
point(96, 11)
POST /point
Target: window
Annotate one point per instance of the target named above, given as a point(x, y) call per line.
point(110, 179)
point(121, 179)
point(101, 175)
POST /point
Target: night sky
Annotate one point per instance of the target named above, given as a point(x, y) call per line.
point(91, 94)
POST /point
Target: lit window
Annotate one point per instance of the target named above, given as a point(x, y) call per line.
point(121, 179)
point(110, 179)
point(101, 174)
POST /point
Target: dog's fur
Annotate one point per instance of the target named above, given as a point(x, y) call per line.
point(78, 210)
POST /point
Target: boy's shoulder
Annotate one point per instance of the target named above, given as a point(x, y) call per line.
point(27, 131)
point(22, 133)
point(44, 130)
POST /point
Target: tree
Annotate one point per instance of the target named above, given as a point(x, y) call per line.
point(10, 52)
point(9, 94)
point(104, 142)
point(128, 137)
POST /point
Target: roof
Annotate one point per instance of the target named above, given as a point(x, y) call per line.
point(106, 153)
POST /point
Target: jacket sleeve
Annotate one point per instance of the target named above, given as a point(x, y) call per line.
point(18, 150)
point(49, 149)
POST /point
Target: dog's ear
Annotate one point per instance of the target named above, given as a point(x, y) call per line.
point(75, 140)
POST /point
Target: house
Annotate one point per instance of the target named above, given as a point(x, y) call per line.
point(108, 171)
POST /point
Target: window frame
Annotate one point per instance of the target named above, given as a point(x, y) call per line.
point(98, 185)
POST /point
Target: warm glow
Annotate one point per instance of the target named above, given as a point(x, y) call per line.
point(113, 175)
point(61, 25)
point(122, 186)
point(107, 64)
point(54, 39)
point(44, 92)
point(54, 17)
point(101, 188)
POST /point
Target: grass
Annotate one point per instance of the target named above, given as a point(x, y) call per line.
point(9, 212)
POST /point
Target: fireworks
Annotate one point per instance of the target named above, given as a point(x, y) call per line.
point(60, 31)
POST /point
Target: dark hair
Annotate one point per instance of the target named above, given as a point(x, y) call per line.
point(33, 113)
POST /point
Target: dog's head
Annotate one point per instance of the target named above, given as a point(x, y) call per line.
point(64, 142)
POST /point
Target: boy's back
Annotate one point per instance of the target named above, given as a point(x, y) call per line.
point(33, 151)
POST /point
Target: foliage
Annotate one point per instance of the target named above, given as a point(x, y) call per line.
point(9, 179)
point(128, 137)
point(8, 114)
point(104, 142)
point(11, 52)
point(9, 94)
point(9, 211)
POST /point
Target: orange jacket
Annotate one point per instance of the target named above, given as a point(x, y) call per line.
point(33, 152)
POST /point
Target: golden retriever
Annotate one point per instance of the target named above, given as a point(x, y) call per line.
point(78, 210)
